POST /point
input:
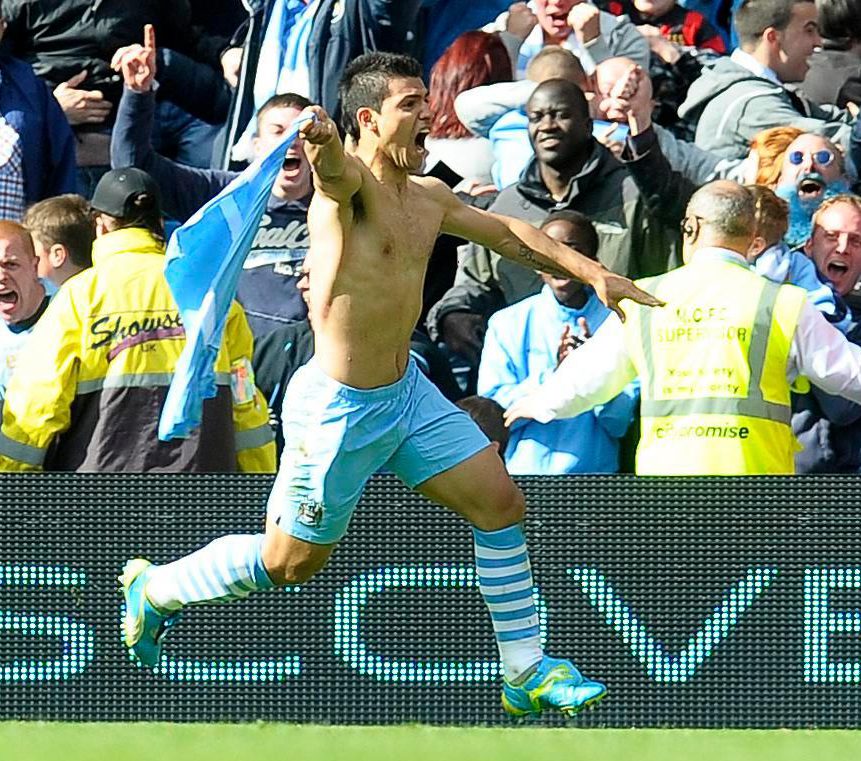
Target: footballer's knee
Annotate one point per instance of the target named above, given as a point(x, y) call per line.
point(292, 571)
point(507, 508)
point(290, 561)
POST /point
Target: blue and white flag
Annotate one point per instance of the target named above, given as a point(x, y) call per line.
point(204, 260)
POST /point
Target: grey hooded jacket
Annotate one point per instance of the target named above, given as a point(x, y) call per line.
point(730, 105)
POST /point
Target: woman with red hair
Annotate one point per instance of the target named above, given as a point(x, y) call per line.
point(473, 59)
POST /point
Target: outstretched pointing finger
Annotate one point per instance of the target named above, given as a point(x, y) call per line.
point(632, 292)
point(643, 297)
point(149, 36)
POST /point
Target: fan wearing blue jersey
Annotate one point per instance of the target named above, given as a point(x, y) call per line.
point(361, 404)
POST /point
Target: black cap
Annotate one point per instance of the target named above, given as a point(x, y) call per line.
point(117, 191)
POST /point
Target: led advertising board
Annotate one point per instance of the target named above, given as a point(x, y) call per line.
point(700, 602)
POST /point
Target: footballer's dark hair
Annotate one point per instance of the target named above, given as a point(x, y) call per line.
point(365, 84)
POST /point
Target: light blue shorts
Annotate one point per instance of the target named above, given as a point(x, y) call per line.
point(337, 436)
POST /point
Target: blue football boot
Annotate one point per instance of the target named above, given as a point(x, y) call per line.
point(556, 684)
point(144, 626)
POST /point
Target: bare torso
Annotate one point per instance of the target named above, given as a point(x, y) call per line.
point(368, 262)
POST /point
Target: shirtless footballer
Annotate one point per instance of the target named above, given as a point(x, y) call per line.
point(360, 404)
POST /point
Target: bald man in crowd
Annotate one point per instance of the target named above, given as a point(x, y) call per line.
point(813, 170)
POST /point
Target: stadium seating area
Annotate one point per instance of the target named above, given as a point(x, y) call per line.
point(762, 92)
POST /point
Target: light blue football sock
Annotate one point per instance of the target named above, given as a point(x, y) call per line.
point(505, 578)
point(228, 568)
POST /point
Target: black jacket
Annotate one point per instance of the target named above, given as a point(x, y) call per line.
point(59, 38)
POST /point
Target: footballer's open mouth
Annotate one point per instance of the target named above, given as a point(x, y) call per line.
point(8, 297)
point(420, 140)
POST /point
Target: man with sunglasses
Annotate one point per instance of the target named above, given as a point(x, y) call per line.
point(716, 363)
point(812, 171)
point(651, 170)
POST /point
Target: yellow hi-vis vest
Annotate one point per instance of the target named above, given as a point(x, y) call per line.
point(712, 366)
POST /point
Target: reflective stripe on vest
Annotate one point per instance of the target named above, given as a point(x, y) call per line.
point(754, 405)
point(252, 438)
point(136, 380)
point(26, 453)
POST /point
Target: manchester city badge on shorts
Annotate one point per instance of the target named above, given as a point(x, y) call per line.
point(310, 514)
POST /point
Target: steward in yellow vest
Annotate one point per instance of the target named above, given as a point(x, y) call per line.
point(712, 369)
point(95, 374)
point(716, 363)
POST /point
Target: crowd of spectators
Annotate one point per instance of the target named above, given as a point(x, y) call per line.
point(596, 121)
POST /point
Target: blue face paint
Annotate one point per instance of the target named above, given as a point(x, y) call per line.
point(801, 211)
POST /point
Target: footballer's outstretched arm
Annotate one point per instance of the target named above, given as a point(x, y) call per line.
point(521, 242)
point(336, 174)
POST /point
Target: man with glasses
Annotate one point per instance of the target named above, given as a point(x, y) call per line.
point(812, 171)
point(716, 363)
